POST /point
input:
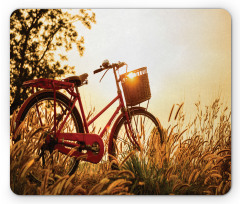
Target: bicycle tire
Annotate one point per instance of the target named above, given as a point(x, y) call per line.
point(116, 143)
point(65, 101)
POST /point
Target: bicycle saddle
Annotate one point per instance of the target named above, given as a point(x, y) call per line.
point(77, 80)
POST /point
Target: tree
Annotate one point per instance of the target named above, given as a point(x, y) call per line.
point(36, 37)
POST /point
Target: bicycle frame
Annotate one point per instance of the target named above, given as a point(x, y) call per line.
point(76, 97)
point(63, 140)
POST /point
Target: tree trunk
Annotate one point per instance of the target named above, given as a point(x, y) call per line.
point(16, 102)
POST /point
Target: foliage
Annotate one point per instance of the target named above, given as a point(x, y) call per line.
point(39, 40)
point(149, 179)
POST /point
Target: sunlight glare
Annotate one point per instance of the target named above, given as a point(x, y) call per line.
point(131, 75)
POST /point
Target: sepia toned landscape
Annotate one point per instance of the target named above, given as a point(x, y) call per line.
point(188, 58)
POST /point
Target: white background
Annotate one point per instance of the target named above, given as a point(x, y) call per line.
point(8, 6)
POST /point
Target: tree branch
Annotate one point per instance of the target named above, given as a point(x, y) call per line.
point(34, 22)
point(48, 44)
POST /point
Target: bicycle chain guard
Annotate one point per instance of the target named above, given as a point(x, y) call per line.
point(92, 144)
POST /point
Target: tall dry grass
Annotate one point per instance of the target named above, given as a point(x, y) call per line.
point(89, 179)
point(195, 158)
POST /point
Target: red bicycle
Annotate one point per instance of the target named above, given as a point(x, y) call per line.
point(61, 135)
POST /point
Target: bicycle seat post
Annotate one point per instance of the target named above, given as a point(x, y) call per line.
point(82, 111)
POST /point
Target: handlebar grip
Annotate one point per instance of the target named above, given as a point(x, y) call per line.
point(121, 64)
point(97, 70)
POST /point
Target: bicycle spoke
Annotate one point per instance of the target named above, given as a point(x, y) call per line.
point(39, 116)
point(143, 126)
point(40, 113)
point(124, 141)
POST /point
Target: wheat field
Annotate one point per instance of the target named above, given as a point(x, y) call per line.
point(194, 159)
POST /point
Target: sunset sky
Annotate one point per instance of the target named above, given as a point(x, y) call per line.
point(187, 52)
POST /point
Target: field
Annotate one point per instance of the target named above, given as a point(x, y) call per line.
point(195, 158)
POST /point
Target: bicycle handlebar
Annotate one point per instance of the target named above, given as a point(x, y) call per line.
point(106, 65)
point(97, 70)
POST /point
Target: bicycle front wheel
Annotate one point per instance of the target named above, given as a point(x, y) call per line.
point(146, 130)
point(37, 121)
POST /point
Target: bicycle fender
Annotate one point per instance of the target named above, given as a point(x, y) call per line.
point(116, 124)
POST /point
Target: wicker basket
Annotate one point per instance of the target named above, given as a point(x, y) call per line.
point(136, 88)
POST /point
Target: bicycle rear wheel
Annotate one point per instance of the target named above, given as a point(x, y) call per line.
point(38, 121)
point(147, 133)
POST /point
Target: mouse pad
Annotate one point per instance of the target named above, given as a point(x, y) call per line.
point(120, 101)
